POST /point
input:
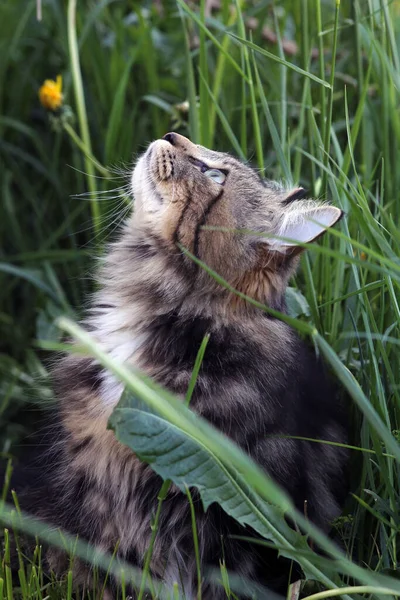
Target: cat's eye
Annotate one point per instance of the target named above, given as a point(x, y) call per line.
point(216, 175)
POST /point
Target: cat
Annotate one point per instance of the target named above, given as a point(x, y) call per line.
point(258, 379)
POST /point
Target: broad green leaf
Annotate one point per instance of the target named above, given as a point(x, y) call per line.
point(175, 455)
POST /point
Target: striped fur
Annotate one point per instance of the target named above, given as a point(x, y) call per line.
point(258, 379)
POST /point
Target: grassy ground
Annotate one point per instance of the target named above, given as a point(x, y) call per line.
point(308, 93)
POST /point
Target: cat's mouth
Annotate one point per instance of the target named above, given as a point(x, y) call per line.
point(153, 168)
point(160, 159)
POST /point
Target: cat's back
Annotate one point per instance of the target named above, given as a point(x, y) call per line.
point(255, 371)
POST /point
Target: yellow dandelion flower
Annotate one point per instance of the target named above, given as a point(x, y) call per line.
point(50, 94)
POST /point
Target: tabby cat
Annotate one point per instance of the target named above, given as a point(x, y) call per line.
point(258, 380)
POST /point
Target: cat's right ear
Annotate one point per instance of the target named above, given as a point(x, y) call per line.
point(303, 221)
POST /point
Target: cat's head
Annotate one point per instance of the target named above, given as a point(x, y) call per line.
point(183, 190)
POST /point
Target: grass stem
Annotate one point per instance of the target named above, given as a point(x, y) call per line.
point(81, 110)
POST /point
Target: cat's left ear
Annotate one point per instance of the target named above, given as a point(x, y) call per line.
point(303, 221)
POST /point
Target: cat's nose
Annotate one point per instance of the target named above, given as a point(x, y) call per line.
point(170, 137)
point(179, 141)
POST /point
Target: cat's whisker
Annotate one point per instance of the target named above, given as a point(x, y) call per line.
point(119, 210)
point(96, 193)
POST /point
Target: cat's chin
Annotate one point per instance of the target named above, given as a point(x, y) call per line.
point(144, 188)
point(138, 179)
point(152, 170)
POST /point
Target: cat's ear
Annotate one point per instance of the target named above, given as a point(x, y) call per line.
point(303, 221)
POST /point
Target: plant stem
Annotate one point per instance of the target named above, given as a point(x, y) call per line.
point(218, 76)
point(357, 589)
point(154, 528)
point(81, 110)
point(328, 124)
point(321, 66)
point(77, 140)
point(195, 543)
point(167, 483)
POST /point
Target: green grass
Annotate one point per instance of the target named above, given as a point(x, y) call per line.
point(326, 117)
